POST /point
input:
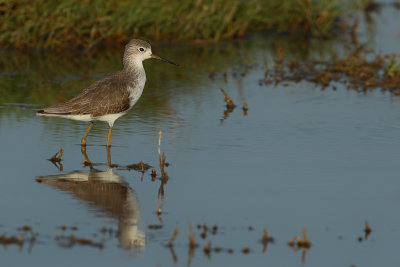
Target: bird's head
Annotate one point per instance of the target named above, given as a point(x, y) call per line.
point(136, 51)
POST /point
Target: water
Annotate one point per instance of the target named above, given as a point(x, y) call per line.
point(301, 156)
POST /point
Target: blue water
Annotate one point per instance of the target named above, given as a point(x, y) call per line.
point(301, 156)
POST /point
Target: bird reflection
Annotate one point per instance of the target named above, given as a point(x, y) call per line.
point(108, 193)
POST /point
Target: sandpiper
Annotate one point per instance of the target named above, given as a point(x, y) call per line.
point(111, 97)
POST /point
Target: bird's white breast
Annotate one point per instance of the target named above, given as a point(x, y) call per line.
point(136, 89)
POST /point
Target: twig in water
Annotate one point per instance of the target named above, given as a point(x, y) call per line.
point(192, 241)
point(56, 159)
point(159, 143)
point(367, 230)
point(228, 100)
point(266, 239)
point(173, 237)
point(207, 249)
point(57, 156)
point(300, 243)
point(245, 109)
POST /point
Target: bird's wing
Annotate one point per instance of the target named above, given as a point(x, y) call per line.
point(107, 96)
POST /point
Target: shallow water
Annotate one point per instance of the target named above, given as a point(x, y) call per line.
point(301, 156)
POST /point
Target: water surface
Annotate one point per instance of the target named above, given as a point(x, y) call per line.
point(326, 159)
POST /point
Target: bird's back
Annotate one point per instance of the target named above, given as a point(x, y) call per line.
point(107, 96)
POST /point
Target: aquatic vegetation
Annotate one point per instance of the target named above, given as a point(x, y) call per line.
point(20, 239)
point(229, 103)
point(245, 108)
point(192, 238)
point(56, 159)
point(207, 249)
point(230, 106)
point(245, 250)
point(142, 167)
point(54, 24)
point(72, 240)
point(173, 237)
point(367, 231)
point(355, 69)
point(266, 239)
point(299, 242)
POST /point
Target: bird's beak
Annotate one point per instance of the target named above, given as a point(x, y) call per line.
point(163, 59)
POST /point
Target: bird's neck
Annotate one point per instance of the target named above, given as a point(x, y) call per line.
point(136, 72)
point(134, 66)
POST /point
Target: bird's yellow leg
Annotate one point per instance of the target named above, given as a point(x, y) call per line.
point(108, 156)
point(109, 137)
point(83, 143)
point(86, 158)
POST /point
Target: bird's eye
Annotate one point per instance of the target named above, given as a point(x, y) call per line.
point(141, 49)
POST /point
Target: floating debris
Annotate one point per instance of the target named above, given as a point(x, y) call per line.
point(9, 240)
point(72, 240)
point(142, 167)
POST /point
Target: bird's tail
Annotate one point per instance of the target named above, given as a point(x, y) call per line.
point(57, 110)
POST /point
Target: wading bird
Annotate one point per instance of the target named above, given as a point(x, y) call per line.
point(111, 97)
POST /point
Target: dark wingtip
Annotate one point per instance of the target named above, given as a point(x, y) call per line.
point(41, 111)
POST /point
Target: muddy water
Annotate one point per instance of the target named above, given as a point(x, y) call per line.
point(301, 156)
